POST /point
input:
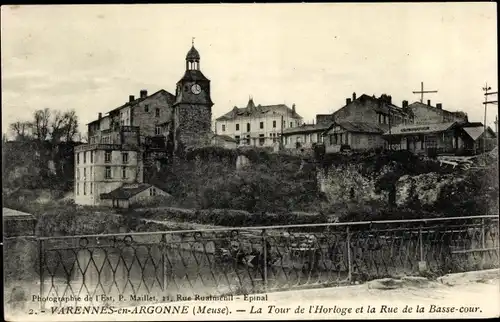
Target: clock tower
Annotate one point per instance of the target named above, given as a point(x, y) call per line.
point(193, 105)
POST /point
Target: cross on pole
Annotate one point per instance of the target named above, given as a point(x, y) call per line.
point(192, 41)
point(487, 92)
point(421, 92)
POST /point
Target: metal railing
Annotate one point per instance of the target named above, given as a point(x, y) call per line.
point(172, 265)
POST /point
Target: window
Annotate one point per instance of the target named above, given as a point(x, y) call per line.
point(91, 188)
point(124, 172)
point(248, 139)
point(107, 156)
point(274, 124)
point(78, 158)
point(157, 130)
point(84, 173)
point(77, 189)
point(261, 125)
point(223, 128)
point(90, 173)
point(146, 108)
point(107, 174)
point(262, 139)
point(284, 124)
point(237, 127)
point(237, 138)
point(248, 127)
point(91, 156)
point(125, 157)
point(157, 112)
point(77, 174)
point(291, 124)
point(152, 192)
point(85, 157)
point(122, 122)
point(84, 188)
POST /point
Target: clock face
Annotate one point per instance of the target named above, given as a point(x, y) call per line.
point(196, 89)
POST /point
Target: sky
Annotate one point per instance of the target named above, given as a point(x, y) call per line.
point(92, 57)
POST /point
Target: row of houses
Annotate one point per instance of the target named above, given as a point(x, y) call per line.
point(364, 122)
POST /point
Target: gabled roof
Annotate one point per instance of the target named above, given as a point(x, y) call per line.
point(8, 213)
point(476, 131)
point(356, 127)
point(420, 128)
point(127, 191)
point(306, 128)
point(252, 110)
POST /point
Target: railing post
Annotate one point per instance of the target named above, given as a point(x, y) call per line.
point(40, 269)
point(422, 264)
point(349, 255)
point(164, 261)
point(264, 253)
point(483, 243)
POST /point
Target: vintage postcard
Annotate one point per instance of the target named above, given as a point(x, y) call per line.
point(250, 161)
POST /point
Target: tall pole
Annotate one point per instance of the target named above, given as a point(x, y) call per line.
point(486, 89)
point(422, 92)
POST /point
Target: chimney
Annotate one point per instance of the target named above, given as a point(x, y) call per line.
point(347, 101)
point(99, 116)
point(144, 93)
point(354, 96)
point(405, 104)
point(439, 105)
point(429, 102)
point(389, 98)
point(131, 98)
point(293, 108)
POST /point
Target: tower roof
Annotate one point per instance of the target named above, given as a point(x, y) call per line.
point(193, 54)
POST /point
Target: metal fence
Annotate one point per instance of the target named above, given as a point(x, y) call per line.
point(174, 265)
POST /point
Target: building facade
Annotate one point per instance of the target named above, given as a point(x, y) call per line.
point(303, 136)
point(126, 139)
point(258, 125)
point(360, 123)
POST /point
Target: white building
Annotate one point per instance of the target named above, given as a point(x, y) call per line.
point(102, 168)
point(257, 125)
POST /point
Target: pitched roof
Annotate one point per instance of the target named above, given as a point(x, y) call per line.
point(420, 128)
point(252, 110)
point(306, 128)
point(476, 131)
point(193, 75)
point(126, 191)
point(8, 213)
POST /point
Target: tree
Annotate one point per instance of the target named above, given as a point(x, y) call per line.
point(21, 130)
point(64, 126)
point(41, 124)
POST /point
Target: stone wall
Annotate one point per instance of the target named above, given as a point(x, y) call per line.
point(193, 124)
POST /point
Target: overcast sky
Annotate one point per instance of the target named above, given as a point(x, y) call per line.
point(91, 58)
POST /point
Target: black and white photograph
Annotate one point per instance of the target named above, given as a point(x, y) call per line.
point(250, 161)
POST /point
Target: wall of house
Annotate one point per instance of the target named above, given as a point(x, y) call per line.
point(305, 139)
point(90, 177)
point(363, 110)
point(144, 113)
point(271, 127)
point(362, 141)
point(425, 114)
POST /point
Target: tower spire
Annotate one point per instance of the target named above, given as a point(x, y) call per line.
point(192, 41)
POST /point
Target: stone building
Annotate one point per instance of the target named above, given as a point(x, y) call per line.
point(258, 125)
point(428, 114)
point(131, 137)
point(362, 121)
